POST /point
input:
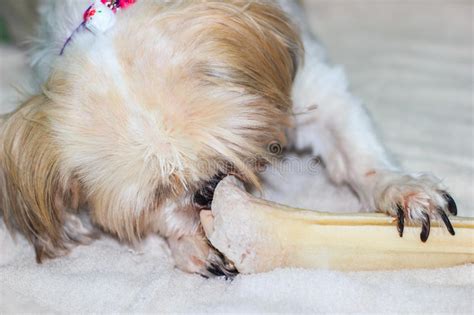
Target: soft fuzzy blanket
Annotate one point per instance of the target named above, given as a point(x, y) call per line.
point(411, 62)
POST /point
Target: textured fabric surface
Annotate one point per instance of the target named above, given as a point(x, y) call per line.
point(411, 62)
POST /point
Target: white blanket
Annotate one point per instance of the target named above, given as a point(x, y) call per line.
point(411, 62)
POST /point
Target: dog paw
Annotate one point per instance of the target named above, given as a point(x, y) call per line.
point(194, 254)
point(415, 199)
point(75, 231)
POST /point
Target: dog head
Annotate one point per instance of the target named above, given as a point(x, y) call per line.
point(149, 111)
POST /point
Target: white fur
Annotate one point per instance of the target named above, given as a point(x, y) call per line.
point(58, 19)
point(335, 125)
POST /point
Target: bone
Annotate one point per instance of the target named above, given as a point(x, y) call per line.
point(259, 236)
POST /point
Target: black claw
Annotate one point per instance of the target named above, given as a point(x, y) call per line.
point(452, 208)
point(425, 228)
point(215, 270)
point(221, 266)
point(446, 221)
point(401, 220)
point(222, 271)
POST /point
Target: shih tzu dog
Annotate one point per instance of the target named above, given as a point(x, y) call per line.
point(146, 104)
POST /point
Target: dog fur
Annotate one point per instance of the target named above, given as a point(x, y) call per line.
point(133, 123)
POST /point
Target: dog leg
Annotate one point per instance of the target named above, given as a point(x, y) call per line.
point(74, 233)
point(335, 124)
point(193, 253)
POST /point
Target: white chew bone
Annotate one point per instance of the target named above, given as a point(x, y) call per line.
point(259, 236)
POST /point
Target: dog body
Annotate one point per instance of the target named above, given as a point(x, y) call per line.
point(134, 122)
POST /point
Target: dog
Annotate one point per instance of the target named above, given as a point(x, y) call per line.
point(145, 105)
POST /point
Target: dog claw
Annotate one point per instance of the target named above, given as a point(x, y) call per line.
point(425, 228)
point(401, 220)
point(446, 221)
point(220, 266)
point(452, 208)
point(228, 271)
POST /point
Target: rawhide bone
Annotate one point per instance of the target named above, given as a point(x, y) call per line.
point(258, 236)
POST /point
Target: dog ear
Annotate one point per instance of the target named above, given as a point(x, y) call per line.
point(34, 193)
point(286, 45)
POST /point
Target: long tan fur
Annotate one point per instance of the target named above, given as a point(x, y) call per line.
point(34, 194)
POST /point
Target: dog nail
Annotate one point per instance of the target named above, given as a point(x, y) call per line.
point(401, 220)
point(425, 228)
point(452, 208)
point(446, 221)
